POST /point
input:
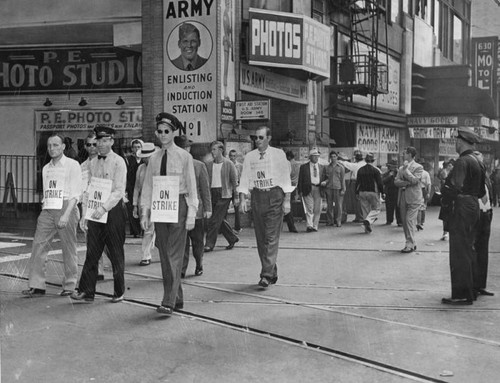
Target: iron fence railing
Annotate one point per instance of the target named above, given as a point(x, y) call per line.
point(25, 176)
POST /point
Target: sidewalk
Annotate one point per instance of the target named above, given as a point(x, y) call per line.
point(348, 307)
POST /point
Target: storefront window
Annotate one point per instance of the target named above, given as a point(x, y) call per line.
point(458, 45)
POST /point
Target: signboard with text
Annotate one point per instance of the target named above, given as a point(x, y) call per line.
point(190, 66)
point(253, 110)
point(485, 63)
point(69, 70)
point(377, 139)
point(259, 81)
point(289, 40)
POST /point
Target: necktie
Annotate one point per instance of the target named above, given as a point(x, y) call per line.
point(262, 155)
point(315, 171)
point(101, 157)
point(189, 67)
point(163, 168)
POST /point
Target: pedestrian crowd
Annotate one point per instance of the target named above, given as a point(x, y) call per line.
point(175, 202)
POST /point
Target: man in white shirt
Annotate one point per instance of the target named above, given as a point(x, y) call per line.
point(266, 175)
point(61, 192)
point(351, 203)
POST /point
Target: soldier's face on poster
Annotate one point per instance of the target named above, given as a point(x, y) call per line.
point(189, 46)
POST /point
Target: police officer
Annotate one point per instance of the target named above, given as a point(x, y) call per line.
point(463, 186)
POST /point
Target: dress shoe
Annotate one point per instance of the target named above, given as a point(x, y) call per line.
point(456, 301)
point(485, 292)
point(100, 277)
point(273, 280)
point(66, 293)
point(368, 227)
point(145, 262)
point(408, 249)
point(117, 299)
point(164, 310)
point(179, 305)
point(264, 282)
point(83, 297)
point(198, 271)
point(231, 245)
point(293, 231)
point(309, 229)
point(444, 237)
point(420, 227)
point(207, 249)
point(33, 293)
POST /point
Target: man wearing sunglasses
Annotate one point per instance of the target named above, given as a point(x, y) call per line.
point(107, 169)
point(174, 165)
point(266, 176)
point(91, 148)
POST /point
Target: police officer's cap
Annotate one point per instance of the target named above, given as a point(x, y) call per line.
point(104, 131)
point(169, 119)
point(468, 135)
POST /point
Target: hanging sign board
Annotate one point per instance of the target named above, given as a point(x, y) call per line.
point(253, 110)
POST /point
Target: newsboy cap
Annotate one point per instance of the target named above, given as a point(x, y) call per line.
point(169, 119)
point(104, 131)
point(468, 135)
point(369, 157)
point(182, 141)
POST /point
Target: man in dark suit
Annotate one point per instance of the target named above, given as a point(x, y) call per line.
point(482, 237)
point(204, 210)
point(189, 42)
point(311, 175)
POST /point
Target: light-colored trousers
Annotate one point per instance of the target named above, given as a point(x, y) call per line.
point(409, 213)
point(148, 242)
point(312, 207)
point(370, 205)
point(46, 228)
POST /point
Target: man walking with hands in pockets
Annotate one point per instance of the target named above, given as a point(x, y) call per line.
point(266, 175)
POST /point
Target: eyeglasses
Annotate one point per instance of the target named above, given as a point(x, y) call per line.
point(88, 145)
point(260, 137)
point(159, 131)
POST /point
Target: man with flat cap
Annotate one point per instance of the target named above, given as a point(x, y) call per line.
point(463, 187)
point(195, 236)
point(103, 217)
point(368, 188)
point(189, 42)
point(170, 200)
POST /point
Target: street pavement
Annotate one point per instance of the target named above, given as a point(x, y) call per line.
point(348, 307)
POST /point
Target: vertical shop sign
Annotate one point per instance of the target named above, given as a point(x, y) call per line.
point(190, 62)
point(227, 68)
point(484, 64)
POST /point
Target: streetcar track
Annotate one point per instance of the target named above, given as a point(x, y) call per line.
point(310, 346)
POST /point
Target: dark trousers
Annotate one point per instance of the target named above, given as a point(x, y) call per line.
point(481, 242)
point(171, 242)
point(392, 208)
point(290, 221)
point(267, 207)
point(217, 221)
point(135, 223)
point(194, 237)
point(237, 219)
point(462, 224)
point(99, 235)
